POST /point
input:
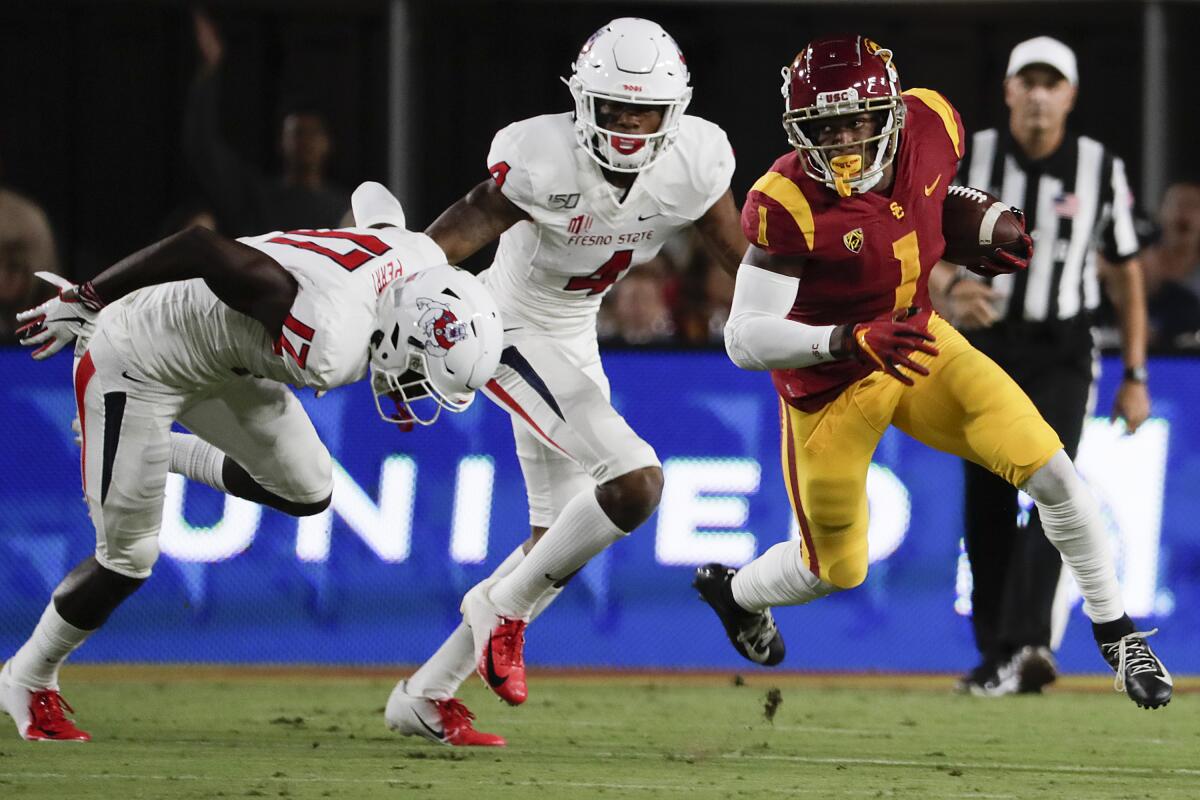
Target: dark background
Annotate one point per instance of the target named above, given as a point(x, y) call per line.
point(92, 93)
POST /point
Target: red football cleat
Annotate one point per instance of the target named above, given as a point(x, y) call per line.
point(502, 663)
point(48, 722)
point(499, 645)
point(443, 721)
point(38, 713)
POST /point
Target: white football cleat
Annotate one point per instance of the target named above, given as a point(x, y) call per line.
point(442, 721)
point(39, 715)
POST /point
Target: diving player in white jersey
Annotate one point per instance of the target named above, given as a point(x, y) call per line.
point(576, 200)
point(206, 331)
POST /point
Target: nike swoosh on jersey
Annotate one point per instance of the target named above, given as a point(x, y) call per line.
point(125, 374)
point(494, 680)
point(929, 189)
point(648, 216)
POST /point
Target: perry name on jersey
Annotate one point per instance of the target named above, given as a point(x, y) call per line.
point(553, 272)
point(182, 335)
point(865, 255)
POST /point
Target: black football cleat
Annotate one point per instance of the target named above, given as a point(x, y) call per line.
point(994, 677)
point(752, 633)
point(1140, 674)
point(1035, 668)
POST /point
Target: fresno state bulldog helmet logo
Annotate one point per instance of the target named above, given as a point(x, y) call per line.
point(441, 328)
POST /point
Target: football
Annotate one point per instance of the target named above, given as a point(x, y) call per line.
point(975, 224)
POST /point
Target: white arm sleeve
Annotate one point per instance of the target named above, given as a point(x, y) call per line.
point(758, 334)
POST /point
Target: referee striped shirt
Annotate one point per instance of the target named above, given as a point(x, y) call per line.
point(1076, 201)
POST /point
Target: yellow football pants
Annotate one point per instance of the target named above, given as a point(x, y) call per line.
point(967, 406)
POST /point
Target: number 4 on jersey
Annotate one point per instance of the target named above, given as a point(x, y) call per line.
point(604, 277)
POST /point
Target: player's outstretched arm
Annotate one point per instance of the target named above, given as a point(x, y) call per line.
point(476, 219)
point(245, 279)
point(759, 336)
point(721, 231)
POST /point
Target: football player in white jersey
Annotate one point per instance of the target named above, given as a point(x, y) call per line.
point(207, 331)
point(576, 199)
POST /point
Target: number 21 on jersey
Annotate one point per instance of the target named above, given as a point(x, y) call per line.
point(365, 247)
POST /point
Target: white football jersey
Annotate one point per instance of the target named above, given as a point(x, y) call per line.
point(182, 335)
point(551, 274)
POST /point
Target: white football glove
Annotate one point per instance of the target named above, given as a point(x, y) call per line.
point(58, 321)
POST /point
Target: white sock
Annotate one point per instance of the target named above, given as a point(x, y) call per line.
point(35, 666)
point(778, 578)
point(1073, 524)
point(197, 460)
point(548, 597)
point(581, 531)
point(441, 675)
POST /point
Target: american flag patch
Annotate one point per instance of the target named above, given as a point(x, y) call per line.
point(1066, 206)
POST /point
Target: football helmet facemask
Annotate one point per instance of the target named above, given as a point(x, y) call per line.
point(834, 77)
point(629, 61)
point(437, 339)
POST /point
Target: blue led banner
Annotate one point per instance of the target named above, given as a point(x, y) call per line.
point(418, 518)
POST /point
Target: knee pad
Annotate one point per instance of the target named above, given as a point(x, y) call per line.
point(1054, 482)
point(846, 572)
point(132, 559)
point(309, 482)
point(316, 479)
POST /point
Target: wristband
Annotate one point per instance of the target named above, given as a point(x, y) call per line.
point(88, 297)
point(1136, 374)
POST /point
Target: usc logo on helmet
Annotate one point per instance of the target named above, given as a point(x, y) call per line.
point(872, 47)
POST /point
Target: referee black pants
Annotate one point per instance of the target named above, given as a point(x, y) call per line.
point(1015, 568)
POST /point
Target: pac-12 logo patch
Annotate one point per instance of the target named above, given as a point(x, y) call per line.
point(441, 328)
point(853, 240)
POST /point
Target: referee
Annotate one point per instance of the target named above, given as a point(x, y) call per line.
point(1036, 325)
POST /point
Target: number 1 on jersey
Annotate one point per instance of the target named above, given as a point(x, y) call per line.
point(907, 251)
point(604, 277)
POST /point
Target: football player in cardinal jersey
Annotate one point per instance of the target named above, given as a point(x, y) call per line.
point(832, 297)
point(206, 331)
point(576, 199)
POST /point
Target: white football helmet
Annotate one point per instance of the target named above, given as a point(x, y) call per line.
point(438, 338)
point(629, 60)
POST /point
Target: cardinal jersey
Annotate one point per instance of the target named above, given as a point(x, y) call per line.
point(867, 254)
point(180, 334)
point(551, 274)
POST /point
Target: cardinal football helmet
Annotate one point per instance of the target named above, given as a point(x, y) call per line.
point(833, 77)
point(634, 61)
point(438, 337)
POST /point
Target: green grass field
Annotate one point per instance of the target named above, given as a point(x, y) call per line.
point(181, 732)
